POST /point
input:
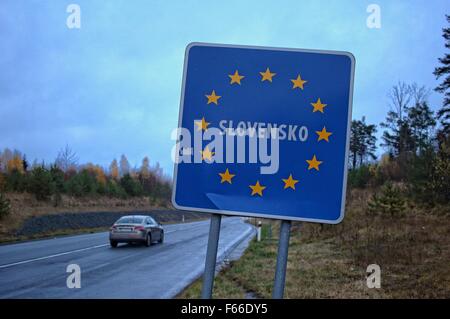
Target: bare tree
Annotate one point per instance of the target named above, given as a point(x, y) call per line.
point(419, 94)
point(400, 96)
point(397, 137)
point(67, 159)
point(5, 156)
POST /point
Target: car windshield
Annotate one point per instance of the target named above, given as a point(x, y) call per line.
point(130, 220)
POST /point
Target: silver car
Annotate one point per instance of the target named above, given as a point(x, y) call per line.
point(136, 228)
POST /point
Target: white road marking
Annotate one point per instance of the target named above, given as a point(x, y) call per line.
point(58, 255)
point(51, 256)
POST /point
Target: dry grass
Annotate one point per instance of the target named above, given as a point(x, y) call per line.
point(24, 206)
point(330, 261)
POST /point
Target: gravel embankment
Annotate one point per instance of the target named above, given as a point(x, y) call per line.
point(73, 221)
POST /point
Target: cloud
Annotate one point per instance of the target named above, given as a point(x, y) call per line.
point(113, 86)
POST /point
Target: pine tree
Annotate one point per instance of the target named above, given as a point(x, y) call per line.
point(57, 178)
point(390, 201)
point(362, 142)
point(369, 142)
point(355, 142)
point(410, 121)
point(421, 121)
point(444, 71)
point(25, 163)
point(2, 182)
point(131, 186)
point(41, 184)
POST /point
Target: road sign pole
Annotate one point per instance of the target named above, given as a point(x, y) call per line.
point(280, 271)
point(211, 256)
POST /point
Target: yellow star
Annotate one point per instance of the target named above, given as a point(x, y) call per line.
point(202, 125)
point(206, 154)
point(213, 98)
point(226, 176)
point(323, 135)
point(290, 182)
point(236, 78)
point(314, 163)
point(267, 75)
point(257, 188)
point(318, 106)
point(298, 82)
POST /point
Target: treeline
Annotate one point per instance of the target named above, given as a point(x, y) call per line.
point(66, 176)
point(417, 145)
point(416, 165)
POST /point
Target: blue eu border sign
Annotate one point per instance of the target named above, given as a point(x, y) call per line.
point(305, 94)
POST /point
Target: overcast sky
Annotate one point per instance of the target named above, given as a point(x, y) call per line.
point(113, 86)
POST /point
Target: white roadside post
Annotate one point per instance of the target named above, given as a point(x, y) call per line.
point(258, 231)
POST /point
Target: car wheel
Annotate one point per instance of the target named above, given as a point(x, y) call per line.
point(161, 239)
point(113, 243)
point(148, 240)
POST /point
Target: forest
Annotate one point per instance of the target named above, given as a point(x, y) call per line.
point(48, 182)
point(410, 162)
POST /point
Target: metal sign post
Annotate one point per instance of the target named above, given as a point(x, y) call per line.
point(211, 256)
point(280, 271)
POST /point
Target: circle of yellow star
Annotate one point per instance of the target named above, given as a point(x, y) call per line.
point(226, 176)
point(207, 154)
point(290, 182)
point(202, 125)
point(318, 106)
point(323, 135)
point(257, 188)
point(267, 75)
point(314, 163)
point(236, 78)
point(298, 82)
point(213, 98)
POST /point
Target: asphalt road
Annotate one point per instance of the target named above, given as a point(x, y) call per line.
point(37, 269)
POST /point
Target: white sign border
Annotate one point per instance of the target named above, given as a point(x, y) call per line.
point(247, 214)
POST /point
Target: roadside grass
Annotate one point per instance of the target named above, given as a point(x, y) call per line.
point(63, 232)
point(48, 235)
point(25, 206)
point(224, 287)
point(330, 261)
